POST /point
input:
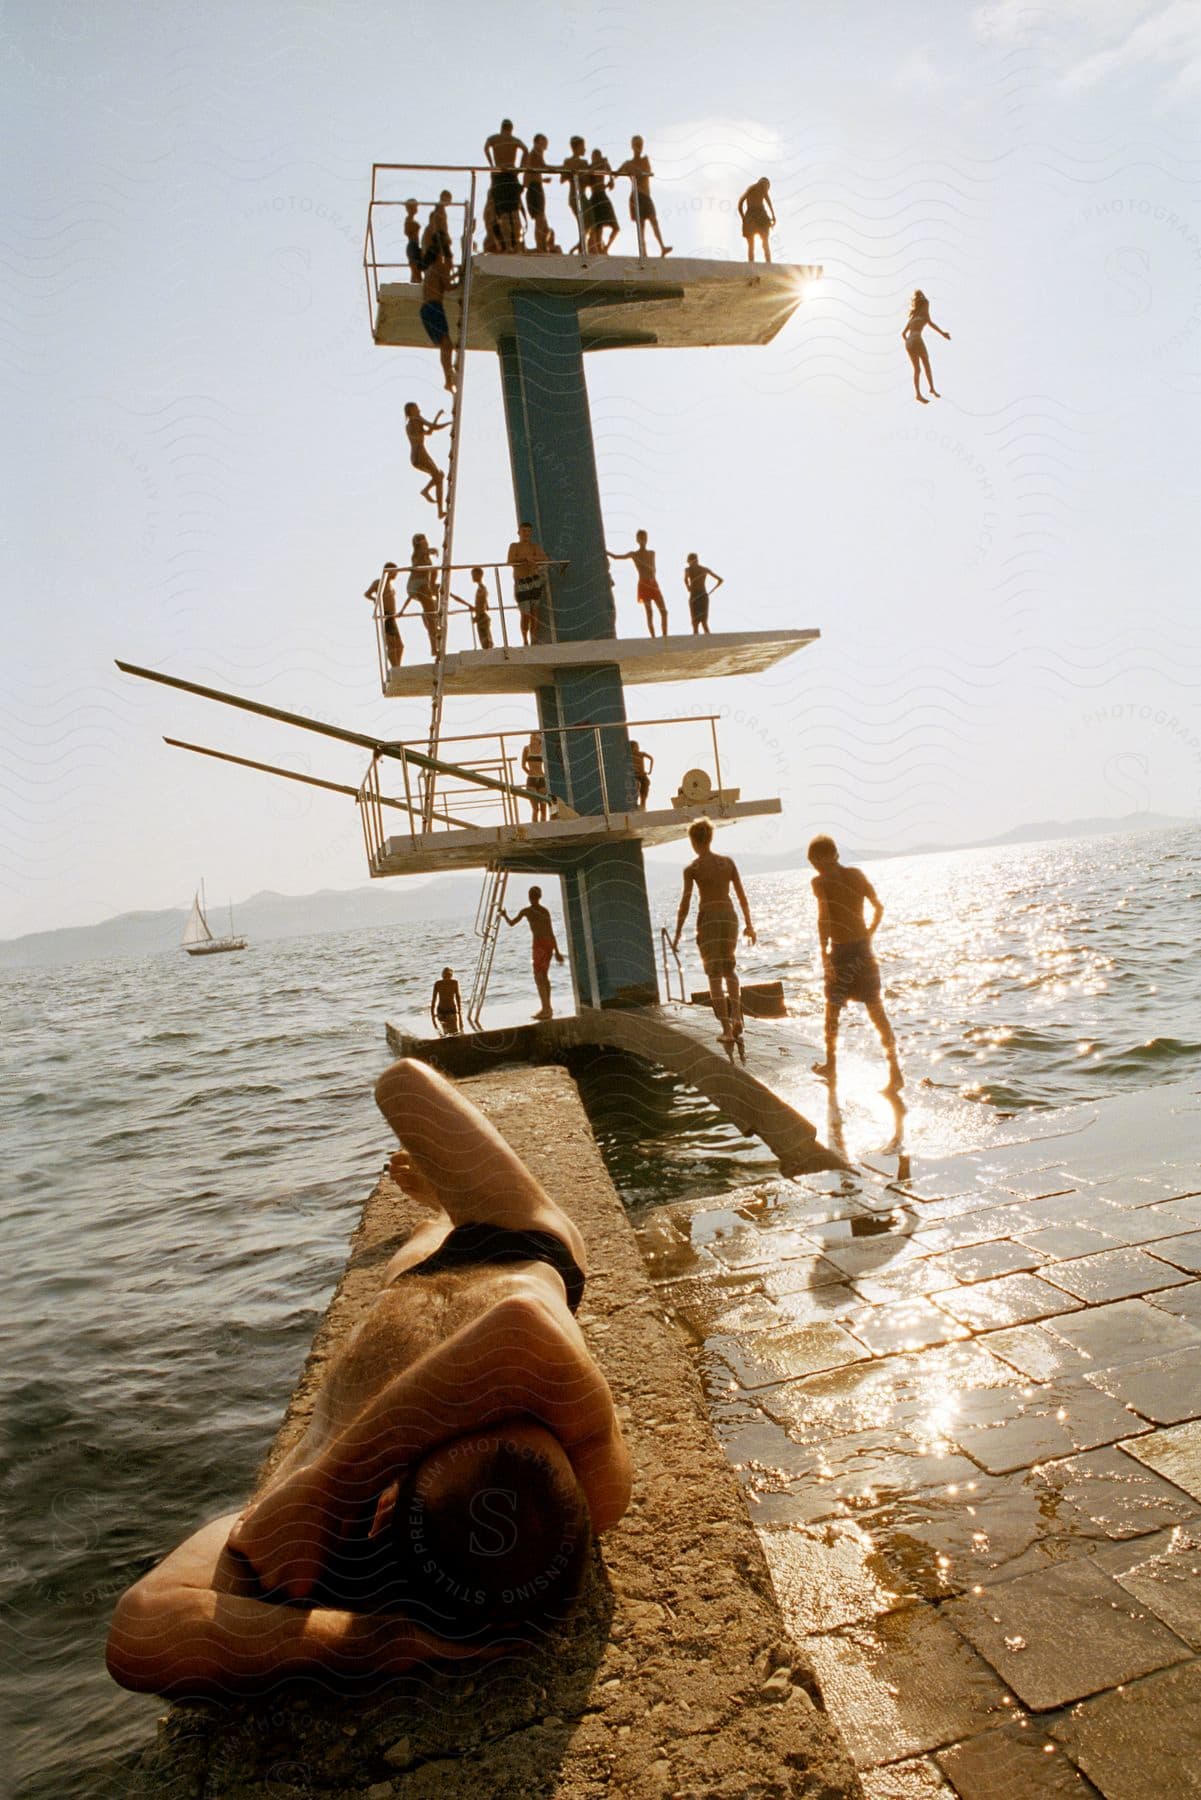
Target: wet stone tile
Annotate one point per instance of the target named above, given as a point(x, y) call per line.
point(982, 1262)
point(746, 1247)
point(1024, 1627)
point(908, 1281)
point(977, 1227)
point(1172, 1183)
point(1132, 1227)
point(1012, 1300)
point(1113, 1275)
point(1126, 1331)
point(1018, 1761)
point(668, 1255)
point(915, 1779)
point(1181, 1252)
point(894, 1479)
point(873, 1256)
point(1187, 1206)
point(903, 1685)
point(798, 1275)
point(725, 1303)
point(1142, 1742)
point(1055, 1242)
point(1037, 1425)
point(829, 1575)
point(784, 1355)
point(1121, 1496)
point(1175, 1454)
point(1183, 1302)
point(1038, 1352)
point(1169, 1582)
point(905, 1325)
point(811, 1305)
point(1165, 1389)
point(1039, 1184)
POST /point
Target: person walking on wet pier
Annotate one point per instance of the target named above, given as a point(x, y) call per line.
point(848, 958)
point(542, 947)
point(715, 879)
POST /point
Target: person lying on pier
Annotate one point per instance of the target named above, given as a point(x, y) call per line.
point(695, 577)
point(758, 217)
point(383, 589)
point(412, 240)
point(435, 285)
point(532, 164)
point(533, 768)
point(649, 592)
point(529, 563)
point(446, 1006)
point(919, 356)
point(642, 764)
point(463, 1449)
point(600, 221)
point(642, 207)
point(848, 958)
point(542, 947)
point(714, 877)
point(417, 430)
point(501, 151)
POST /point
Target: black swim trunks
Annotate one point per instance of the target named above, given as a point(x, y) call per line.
point(852, 973)
point(698, 605)
point(497, 1245)
point(641, 205)
point(535, 200)
point(433, 317)
point(506, 191)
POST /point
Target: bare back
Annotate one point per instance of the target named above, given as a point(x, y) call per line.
point(842, 895)
point(713, 876)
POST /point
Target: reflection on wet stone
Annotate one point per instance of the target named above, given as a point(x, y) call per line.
point(1017, 1762)
point(787, 1354)
point(1175, 1453)
point(829, 1575)
point(1142, 1742)
point(1114, 1275)
point(1013, 1300)
point(1165, 1389)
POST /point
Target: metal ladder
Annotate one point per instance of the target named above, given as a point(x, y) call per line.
point(448, 523)
point(487, 929)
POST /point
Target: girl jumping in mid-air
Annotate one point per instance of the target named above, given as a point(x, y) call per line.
point(919, 356)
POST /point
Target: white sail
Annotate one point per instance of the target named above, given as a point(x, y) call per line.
point(196, 931)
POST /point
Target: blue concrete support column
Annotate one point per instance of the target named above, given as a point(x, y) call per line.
point(582, 714)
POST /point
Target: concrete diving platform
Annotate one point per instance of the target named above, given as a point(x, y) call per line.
point(623, 302)
point(546, 844)
point(656, 1036)
point(523, 668)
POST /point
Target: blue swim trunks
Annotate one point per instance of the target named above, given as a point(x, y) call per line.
point(433, 317)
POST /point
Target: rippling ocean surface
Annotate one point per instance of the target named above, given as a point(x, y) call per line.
point(189, 1143)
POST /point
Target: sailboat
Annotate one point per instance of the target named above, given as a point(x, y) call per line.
point(197, 938)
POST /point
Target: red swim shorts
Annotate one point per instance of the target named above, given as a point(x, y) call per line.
point(543, 950)
point(648, 589)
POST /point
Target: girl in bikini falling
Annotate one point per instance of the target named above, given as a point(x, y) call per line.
point(919, 356)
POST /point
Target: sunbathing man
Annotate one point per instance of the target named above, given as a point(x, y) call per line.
point(848, 959)
point(435, 284)
point(649, 592)
point(502, 150)
point(542, 947)
point(716, 925)
point(466, 1393)
point(446, 1005)
point(695, 577)
point(642, 207)
point(417, 430)
point(532, 164)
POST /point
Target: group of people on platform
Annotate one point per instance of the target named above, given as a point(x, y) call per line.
point(650, 594)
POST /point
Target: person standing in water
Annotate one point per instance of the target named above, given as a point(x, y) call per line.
point(919, 356)
point(446, 1006)
point(715, 878)
point(649, 592)
point(848, 958)
point(542, 947)
point(758, 218)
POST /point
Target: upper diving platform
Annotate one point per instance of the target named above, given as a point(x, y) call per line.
point(522, 668)
point(625, 302)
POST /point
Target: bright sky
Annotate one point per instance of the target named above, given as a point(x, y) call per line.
point(206, 463)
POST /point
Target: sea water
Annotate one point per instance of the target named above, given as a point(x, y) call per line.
point(189, 1143)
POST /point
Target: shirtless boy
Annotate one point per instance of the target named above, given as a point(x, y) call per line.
point(468, 1382)
point(383, 589)
point(572, 171)
point(649, 592)
point(714, 877)
point(642, 207)
point(417, 430)
point(695, 577)
point(529, 563)
point(412, 240)
point(502, 150)
point(542, 947)
point(532, 165)
point(435, 284)
point(848, 959)
point(479, 611)
point(446, 1005)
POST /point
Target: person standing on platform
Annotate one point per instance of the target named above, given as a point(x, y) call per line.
point(919, 356)
point(479, 611)
point(695, 577)
point(435, 284)
point(532, 164)
point(642, 764)
point(422, 588)
point(446, 1005)
point(383, 589)
point(529, 563)
point(649, 591)
point(417, 430)
point(502, 150)
point(758, 217)
point(714, 878)
point(573, 170)
point(599, 217)
point(642, 207)
point(413, 240)
point(533, 767)
point(542, 947)
point(435, 239)
point(848, 958)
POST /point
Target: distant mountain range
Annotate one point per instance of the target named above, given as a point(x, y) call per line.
point(267, 915)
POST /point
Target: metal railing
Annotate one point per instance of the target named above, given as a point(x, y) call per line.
point(588, 767)
point(438, 617)
point(487, 929)
point(666, 944)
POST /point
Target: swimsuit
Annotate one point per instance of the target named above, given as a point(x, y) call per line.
point(641, 204)
point(477, 1244)
point(852, 973)
point(527, 590)
point(755, 221)
point(698, 604)
point(648, 589)
point(717, 938)
point(433, 317)
point(535, 199)
point(506, 191)
point(541, 951)
point(483, 626)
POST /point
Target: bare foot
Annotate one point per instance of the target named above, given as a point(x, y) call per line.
point(936, 393)
point(921, 398)
point(826, 1070)
point(411, 1181)
point(666, 250)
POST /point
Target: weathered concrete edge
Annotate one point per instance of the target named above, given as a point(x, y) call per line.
point(677, 1678)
